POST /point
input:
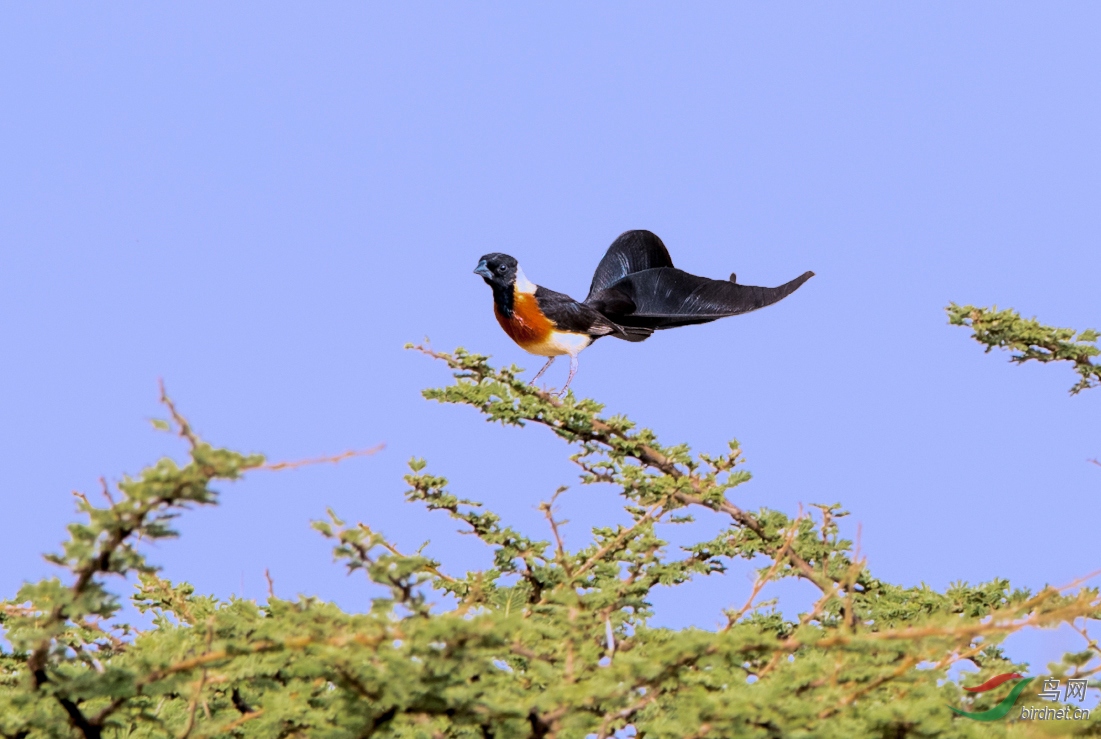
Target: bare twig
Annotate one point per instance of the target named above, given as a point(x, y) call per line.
point(1091, 643)
point(548, 510)
point(765, 578)
point(1075, 583)
point(333, 459)
point(184, 428)
point(106, 489)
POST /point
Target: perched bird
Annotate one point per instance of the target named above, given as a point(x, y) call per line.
point(636, 290)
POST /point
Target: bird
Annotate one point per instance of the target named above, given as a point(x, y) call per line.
point(635, 291)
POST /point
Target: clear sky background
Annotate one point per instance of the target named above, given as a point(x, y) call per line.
point(261, 203)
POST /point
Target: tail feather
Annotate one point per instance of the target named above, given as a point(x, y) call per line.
point(633, 333)
point(666, 298)
point(637, 287)
point(632, 251)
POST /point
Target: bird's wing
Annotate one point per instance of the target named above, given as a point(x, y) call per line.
point(568, 315)
point(633, 251)
point(667, 297)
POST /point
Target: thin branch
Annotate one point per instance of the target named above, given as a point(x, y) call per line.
point(969, 630)
point(1075, 583)
point(192, 663)
point(765, 578)
point(106, 489)
point(1031, 340)
point(560, 549)
point(181, 422)
point(364, 554)
point(905, 667)
point(1091, 643)
point(223, 731)
point(607, 727)
point(193, 706)
point(604, 550)
point(334, 459)
point(954, 657)
point(820, 604)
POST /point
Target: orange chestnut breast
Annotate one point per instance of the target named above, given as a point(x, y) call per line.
point(527, 325)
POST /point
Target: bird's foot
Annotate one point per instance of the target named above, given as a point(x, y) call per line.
point(573, 371)
point(540, 372)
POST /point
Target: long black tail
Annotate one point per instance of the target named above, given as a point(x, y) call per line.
point(632, 252)
point(636, 285)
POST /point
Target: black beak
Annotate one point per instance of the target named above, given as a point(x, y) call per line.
point(483, 270)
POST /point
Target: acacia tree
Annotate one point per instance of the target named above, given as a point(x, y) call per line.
point(1031, 340)
point(549, 641)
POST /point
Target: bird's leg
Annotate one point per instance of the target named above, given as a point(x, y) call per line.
point(540, 372)
point(573, 371)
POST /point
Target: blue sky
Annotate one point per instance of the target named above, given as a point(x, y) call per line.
point(261, 203)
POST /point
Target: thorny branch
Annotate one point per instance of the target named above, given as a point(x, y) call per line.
point(602, 433)
point(333, 459)
point(560, 548)
point(1031, 340)
point(766, 577)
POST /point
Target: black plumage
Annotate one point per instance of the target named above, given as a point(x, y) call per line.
point(637, 285)
point(581, 318)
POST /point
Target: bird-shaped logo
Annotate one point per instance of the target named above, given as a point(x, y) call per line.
point(636, 290)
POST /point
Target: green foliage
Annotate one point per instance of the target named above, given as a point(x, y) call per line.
point(546, 642)
point(1031, 340)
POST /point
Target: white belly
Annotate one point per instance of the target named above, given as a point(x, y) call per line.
point(559, 343)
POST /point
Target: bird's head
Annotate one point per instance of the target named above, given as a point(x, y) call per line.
point(498, 270)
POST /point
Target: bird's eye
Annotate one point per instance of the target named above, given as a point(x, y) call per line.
point(501, 268)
